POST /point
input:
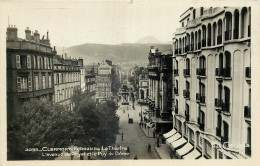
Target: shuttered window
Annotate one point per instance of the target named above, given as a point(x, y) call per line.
point(18, 62)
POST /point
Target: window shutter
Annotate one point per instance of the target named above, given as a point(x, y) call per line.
point(18, 62)
point(28, 61)
point(18, 84)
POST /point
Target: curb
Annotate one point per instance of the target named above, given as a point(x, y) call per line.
point(145, 133)
point(157, 153)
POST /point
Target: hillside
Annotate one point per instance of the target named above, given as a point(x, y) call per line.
point(129, 53)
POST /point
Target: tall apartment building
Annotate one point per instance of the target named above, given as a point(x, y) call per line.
point(104, 81)
point(160, 89)
point(67, 79)
point(29, 68)
point(212, 81)
point(88, 81)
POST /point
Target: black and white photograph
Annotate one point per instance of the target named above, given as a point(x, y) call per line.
point(129, 80)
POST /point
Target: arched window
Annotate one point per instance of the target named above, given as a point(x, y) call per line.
point(192, 41)
point(214, 33)
point(142, 93)
point(244, 22)
point(201, 11)
point(194, 14)
point(199, 39)
point(219, 125)
point(227, 70)
point(236, 24)
point(209, 34)
point(196, 40)
point(226, 132)
point(201, 120)
point(187, 112)
point(228, 32)
point(180, 46)
point(226, 99)
point(219, 38)
point(202, 93)
point(203, 36)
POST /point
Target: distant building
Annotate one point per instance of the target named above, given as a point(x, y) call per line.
point(88, 81)
point(104, 81)
point(67, 79)
point(29, 68)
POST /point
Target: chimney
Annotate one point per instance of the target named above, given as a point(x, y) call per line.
point(11, 33)
point(28, 34)
point(36, 37)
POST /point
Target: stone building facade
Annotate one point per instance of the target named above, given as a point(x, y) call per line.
point(29, 68)
point(212, 81)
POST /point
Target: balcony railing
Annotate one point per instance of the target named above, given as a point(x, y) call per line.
point(186, 94)
point(224, 140)
point(219, 39)
point(201, 72)
point(209, 41)
point(203, 42)
point(219, 72)
point(225, 107)
point(235, 34)
point(176, 91)
point(218, 102)
point(186, 72)
point(228, 35)
point(218, 132)
point(176, 72)
point(197, 97)
point(247, 112)
point(227, 72)
point(202, 99)
point(248, 72)
point(199, 45)
point(248, 149)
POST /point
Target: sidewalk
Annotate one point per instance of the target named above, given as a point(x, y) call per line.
point(164, 151)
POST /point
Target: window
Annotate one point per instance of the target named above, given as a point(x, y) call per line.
point(36, 80)
point(30, 83)
point(49, 81)
point(57, 79)
point(50, 63)
point(18, 62)
point(194, 14)
point(43, 82)
point(47, 63)
point(182, 24)
point(23, 61)
point(21, 84)
point(28, 61)
point(201, 11)
point(41, 62)
point(38, 62)
point(34, 62)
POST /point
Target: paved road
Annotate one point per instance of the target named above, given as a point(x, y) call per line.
point(134, 136)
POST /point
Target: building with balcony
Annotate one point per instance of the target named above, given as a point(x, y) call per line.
point(88, 81)
point(29, 69)
point(212, 81)
point(66, 79)
point(143, 87)
point(160, 89)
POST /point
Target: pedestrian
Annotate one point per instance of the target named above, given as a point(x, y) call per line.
point(122, 135)
point(71, 156)
point(135, 158)
point(149, 147)
point(128, 150)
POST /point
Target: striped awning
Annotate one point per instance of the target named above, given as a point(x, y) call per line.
point(169, 134)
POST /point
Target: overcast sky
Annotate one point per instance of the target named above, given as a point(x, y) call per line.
point(97, 22)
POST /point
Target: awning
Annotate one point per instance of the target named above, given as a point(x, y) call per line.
point(169, 134)
point(173, 138)
point(178, 143)
point(192, 155)
point(184, 150)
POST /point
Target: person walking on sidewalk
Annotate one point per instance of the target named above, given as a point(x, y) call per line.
point(122, 135)
point(149, 148)
point(135, 158)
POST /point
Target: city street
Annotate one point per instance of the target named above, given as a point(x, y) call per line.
point(134, 137)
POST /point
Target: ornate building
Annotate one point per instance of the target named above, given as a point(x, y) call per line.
point(88, 81)
point(160, 89)
point(212, 82)
point(29, 68)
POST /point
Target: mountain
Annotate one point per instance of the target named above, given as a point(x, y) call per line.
point(148, 40)
point(122, 53)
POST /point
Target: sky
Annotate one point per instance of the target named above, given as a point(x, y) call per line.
point(101, 22)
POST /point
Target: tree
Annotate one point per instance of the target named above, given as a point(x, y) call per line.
point(39, 124)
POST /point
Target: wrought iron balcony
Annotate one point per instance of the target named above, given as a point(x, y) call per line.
point(219, 72)
point(228, 35)
point(175, 72)
point(218, 132)
point(176, 91)
point(235, 34)
point(187, 48)
point(247, 112)
point(186, 72)
point(224, 140)
point(219, 39)
point(202, 99)
point(197, 97)
point(248, 72)
point(227, 72)
point(201, 72)
point(248, 149)
point(225, 107)
point(186, 94)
